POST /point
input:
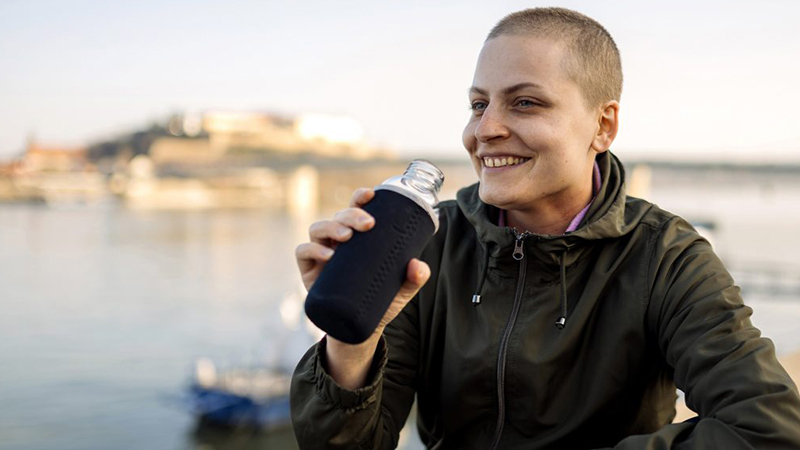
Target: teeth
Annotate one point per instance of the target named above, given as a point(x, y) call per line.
point(503, 161)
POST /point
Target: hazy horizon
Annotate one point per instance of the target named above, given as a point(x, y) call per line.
point(715, 79)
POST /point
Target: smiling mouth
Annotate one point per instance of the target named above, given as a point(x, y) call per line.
point(502, 161)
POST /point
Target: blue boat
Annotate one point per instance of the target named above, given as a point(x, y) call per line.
point(256, 398)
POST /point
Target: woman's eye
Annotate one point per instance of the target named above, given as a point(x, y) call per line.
point(525, 103)
point(477, 106)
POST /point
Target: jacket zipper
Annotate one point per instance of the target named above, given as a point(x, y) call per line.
point(519, 255)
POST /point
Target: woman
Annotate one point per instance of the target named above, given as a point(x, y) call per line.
point(550, 310)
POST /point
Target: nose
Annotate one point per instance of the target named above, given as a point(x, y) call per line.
point(491, 126)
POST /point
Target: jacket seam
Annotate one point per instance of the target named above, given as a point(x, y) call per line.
point(655, 237)
point(647, 286)
point(650, 282)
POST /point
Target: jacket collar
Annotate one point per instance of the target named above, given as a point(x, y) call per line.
point(606, 218)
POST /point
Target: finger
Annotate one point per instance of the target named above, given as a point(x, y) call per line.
point(417, 274)
point(310, 253)
point(361, 197)
point(324, 231)
point(355, 218)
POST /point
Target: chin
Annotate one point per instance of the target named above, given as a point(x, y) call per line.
point(491, 196)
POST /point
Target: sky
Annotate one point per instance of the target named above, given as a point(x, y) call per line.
point(715, 79)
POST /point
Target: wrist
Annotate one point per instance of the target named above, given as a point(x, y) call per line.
point(351, 353)
point(349, 364)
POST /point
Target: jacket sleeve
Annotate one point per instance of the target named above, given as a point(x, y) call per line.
point(327, 416)
point(730, 374)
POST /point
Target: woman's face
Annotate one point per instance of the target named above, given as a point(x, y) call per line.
point(530, 133)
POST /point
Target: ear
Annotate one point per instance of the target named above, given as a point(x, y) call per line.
point(607, 126)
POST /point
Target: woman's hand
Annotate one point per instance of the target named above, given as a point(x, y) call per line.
point(348, 364)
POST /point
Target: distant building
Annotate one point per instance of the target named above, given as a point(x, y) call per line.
point(39, 158)
point(321, 135)
point(188, 143)
point(9, 168)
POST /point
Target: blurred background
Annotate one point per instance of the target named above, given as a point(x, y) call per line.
point(159, 162)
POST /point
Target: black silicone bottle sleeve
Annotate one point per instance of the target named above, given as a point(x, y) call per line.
point(357, 285)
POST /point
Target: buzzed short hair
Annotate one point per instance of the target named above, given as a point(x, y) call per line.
point(595, 65)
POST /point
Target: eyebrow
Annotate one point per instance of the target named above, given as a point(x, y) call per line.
point(508, 90)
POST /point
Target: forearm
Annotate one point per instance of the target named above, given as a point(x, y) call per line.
point(327, 416)
point(349, 364)
point(732, 379)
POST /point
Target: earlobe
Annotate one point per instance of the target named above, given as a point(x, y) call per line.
point(607, 126)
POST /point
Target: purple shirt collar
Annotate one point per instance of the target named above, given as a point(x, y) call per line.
point(596, 182)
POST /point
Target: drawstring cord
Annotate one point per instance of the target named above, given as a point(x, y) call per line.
point(476, 297)
point(562, 321)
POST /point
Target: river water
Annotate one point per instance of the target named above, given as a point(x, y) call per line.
point(103, 310)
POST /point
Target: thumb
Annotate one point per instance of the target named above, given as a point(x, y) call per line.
point(417, 274)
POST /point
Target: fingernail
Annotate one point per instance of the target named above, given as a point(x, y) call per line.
point(343, 232)
point(327, 252)
point(364, 220)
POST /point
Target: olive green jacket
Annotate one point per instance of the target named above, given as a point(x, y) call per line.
point(647, 304)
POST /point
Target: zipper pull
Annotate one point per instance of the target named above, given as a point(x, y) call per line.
point(519, 252)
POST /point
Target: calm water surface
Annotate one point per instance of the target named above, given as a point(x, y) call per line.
point(104, 311)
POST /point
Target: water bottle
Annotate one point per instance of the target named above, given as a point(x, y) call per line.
point(357, 285)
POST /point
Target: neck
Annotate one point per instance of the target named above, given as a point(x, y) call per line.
point(552, 215)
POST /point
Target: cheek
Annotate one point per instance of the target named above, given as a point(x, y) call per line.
point(551, 138)
point(470, 143)
point(468, 136)
point(583, 131)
